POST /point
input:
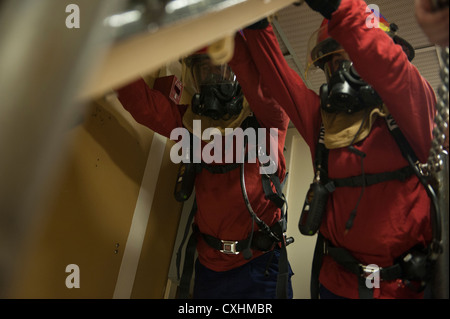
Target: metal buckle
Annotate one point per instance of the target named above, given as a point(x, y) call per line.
point(424, 169)
point(229, 247)
point(368, 270)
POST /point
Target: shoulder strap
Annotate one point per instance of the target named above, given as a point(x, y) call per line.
point(410, 156)
point(405, 148)
point(277, 197)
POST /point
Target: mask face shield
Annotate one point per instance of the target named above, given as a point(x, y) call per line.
point(216, 91)
point(321, 49)
point(202, 72)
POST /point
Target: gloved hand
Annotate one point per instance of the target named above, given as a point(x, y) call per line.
point(324, 7)
point(261, 24)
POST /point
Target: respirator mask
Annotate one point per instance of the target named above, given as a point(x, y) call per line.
point(218, 94)
point(218, 101)
point(346, 91)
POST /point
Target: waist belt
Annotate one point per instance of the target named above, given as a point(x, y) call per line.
point(345, 259)
point(230, 247)
point(226, 246)
point(259, 241)
point(351, 264)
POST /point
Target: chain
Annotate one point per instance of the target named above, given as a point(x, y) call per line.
point(440, 131)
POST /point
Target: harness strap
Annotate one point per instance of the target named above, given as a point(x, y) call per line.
point(277, 196)
point(316, 266)
point(283, 264)
point(267, 181)
point(370, 179)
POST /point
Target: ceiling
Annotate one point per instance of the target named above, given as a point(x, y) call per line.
point(295, 24)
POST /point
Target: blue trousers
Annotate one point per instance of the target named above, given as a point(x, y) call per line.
point(248, 281)
point(326, 294)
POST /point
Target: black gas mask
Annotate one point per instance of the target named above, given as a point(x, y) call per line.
point(347, 92)
point(218, 101)
point(218, 94)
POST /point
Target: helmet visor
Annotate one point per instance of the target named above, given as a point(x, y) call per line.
point(203, 72)
point(321, 48)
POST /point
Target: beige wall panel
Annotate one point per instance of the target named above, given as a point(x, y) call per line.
point(89, 213)
point(153, 269)
point(301, 174)
point(158, 245)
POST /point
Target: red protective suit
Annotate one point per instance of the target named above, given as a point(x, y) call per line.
point(222, 212)
point(393, 216)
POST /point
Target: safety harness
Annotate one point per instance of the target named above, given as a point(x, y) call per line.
point(265, 239)
point(423, 257)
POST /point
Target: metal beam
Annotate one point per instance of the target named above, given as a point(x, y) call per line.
point(147, 52)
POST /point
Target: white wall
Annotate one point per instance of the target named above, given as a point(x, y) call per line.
point(300, 253)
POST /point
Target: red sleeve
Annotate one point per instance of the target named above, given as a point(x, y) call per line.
point(383, 64)
point(151, 108)
point(266, 109)
point(284, 84)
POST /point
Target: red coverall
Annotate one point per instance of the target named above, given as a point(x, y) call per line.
point(393, 216)
point(222, 212)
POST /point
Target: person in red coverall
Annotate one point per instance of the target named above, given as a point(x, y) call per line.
point(371, 224)
point(224, 229)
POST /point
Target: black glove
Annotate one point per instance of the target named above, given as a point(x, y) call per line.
point(324, 7)
point(261, 24)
